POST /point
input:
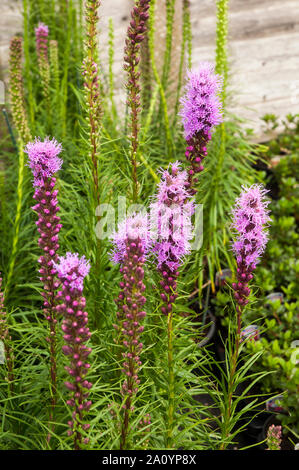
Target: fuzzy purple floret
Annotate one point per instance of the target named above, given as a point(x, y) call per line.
point(171, 211)
point(134, 227)
point(250, 218)
point(201, 106)
point(73, 269)
point(42, 30)
point(43, 159)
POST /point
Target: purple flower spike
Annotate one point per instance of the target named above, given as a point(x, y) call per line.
point(134, 227)
point(43, 159)
point(201, 108)
point(172, 210)
point(44, 163)
point(250, 218)
point(201, 111)
point(41, 34)
point(72, 270)
point(131, 243)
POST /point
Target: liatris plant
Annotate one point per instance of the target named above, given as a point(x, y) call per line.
point(274, 437)
point(72, 270)
point(172, 211)
point(5, 339)
point(201, 111)
point(41, 34)
point(131, 244)
point(135, 36)
point(92, 89)
point(16, 89)
point(250, 216)
point(44, 164)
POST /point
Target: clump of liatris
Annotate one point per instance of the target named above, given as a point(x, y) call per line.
point(274, 437)
point(44, 163)
point(41, 34)
point(201, 111)
point(16, 89)
point(172, 210)
point(5, 340)
point(131, 244)
point(92, 87)
point(135, 36)
point(72, 270)
point(250, 218)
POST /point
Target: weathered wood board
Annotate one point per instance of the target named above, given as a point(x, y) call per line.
point(263, 49)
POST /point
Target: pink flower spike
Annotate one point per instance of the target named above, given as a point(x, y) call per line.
point(43, 159)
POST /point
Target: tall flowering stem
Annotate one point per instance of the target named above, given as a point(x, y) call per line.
point(131, 244)
point(71, 271)
point(201, 111)
point(54, 69)
point(18, 108)
point(92, 88)
point(135, 36)
point(41, 35)
point(172, 209)
point(44, 163)
point(5, 339)
point(250, 219)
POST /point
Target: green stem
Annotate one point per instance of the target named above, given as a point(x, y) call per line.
point(151, 33)
point(171, 401)
point(27, 70)
point(170, 10)
point(17, 219)
point(232, 382)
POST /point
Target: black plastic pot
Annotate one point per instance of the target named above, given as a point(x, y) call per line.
point(221, 277)
point(210, 331)
point(274, 296)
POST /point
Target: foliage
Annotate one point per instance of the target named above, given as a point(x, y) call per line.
point(82, 113)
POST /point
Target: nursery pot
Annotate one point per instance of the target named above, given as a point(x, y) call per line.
point(255, 427)
point(274, 296)
point(210, 320)
point(222, 276)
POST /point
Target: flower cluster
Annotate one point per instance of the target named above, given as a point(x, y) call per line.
point(250, 217)
point(44, 163)
point(173, 210)
point(201, 111)
point(135, 36)
point(41, 34)
point(43, 160)
point(274, 437)
point(131, 244)
point(16, 89)
point(72, 270)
